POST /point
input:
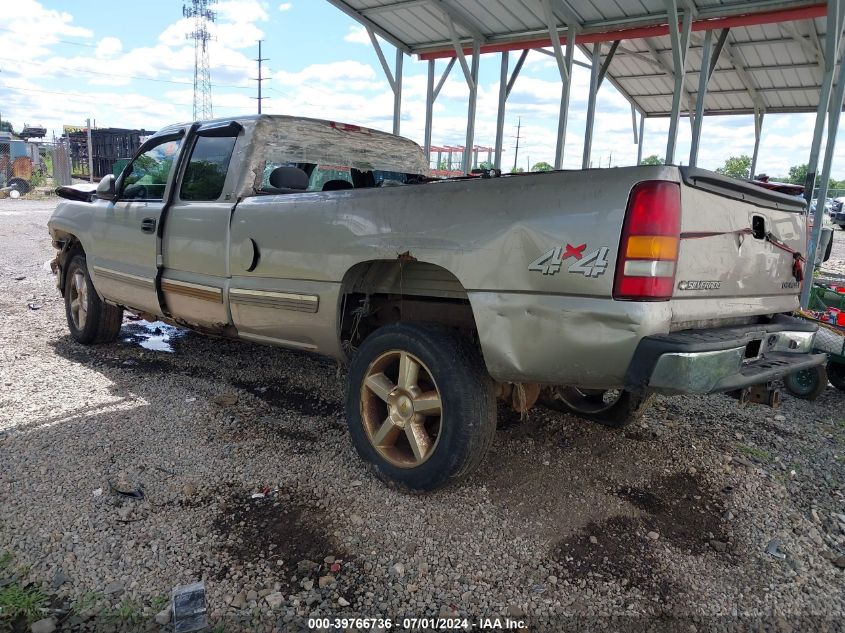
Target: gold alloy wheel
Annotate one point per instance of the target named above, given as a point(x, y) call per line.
point(79, 300)
point(401, 409)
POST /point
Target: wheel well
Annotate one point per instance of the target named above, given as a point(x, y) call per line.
point(377, 293)
point(67, 245)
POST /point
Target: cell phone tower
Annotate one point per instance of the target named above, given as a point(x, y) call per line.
point(203, 16)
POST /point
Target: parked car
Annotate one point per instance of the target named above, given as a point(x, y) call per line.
point(591, 289)
point(837, 215)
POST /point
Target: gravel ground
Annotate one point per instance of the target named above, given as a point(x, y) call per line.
point(566, 525)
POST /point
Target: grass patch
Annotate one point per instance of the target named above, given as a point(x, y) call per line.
point(5, 561)
point(127, 612)
point(18, 603)
point(757, 453)
point(86, 602)
point(160, 603)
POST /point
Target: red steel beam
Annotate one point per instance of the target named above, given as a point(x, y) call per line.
point(748, 19)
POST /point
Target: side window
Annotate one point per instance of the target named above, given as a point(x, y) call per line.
point(147, 178)
point(206, 171)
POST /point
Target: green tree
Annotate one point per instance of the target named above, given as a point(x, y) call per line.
point(737, 167)
point(542, 166)
point(485, 165)
point(654, 159)
point(518, 170)
point(797, 174)
point(443, 165)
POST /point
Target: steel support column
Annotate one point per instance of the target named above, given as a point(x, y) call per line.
point(429, 108)
point(835, 11)
point(505, 87)
point(642, 139)
point(564, 65)
point(835, 16)
point(472, 81)
point(500, 113)
point(758, 131)
point(566, 90)
point(680, 46)
point(703, 80)
point(394, 77)
point(397, 92)
point(591, 106)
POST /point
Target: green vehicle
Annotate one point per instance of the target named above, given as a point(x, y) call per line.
point(809, 384)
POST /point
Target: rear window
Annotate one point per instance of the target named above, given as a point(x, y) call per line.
point(319, 175)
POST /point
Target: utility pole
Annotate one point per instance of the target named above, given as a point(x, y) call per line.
point(260, 79)
point(203, 16)
point(516, 151)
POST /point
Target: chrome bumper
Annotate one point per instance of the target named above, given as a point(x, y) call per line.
point(723, 359)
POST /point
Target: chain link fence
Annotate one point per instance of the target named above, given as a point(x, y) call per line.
point(33, 168)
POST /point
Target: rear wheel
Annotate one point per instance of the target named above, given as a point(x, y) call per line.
point(89, 318)
point(420, 405)
point(836, 375)
point(611, 407)
point(807, 384)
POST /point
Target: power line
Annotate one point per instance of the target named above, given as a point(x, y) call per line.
point(87, 96)
point(85, 44)
point(133, 77)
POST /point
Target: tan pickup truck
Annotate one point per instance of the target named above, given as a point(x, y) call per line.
point(589, 289)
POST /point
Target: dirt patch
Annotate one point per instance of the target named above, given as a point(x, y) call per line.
point(621, 552)
point(276, 527)
point(677, 507)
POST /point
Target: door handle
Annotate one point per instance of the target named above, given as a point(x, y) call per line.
point(148, 225)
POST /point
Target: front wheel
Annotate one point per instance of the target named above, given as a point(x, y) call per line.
point(89, 318)
point(807, 384)
point(611, 407)
point(420, 405)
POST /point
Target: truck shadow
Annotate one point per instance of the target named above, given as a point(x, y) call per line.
point(553, 481)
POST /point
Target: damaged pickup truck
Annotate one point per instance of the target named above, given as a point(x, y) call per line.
point(587, 289)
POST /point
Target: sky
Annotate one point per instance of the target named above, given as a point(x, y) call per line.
point(63, 61)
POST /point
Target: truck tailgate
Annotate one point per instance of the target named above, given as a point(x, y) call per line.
point(738, 242)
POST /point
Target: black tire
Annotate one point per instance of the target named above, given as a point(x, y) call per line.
point(102, 321)
point(836, 375)
point(20, 184)
point(807, 384)
point(590, 404)
point(466, 422)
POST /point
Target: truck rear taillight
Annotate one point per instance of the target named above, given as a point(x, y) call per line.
point(648, 251)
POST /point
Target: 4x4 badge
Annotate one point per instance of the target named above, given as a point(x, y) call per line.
point(593, 264)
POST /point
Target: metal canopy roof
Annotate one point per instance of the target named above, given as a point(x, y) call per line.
point(772, 59)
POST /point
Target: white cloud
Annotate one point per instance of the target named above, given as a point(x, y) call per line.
point(286, 6)
point(357, 35)
point(336, 76)
point(31, 28)
point(242, 11)
point(109, 47)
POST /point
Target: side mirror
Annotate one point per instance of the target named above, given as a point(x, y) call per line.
point(106, 189)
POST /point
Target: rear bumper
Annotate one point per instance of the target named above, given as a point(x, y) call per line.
point(722, 359)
